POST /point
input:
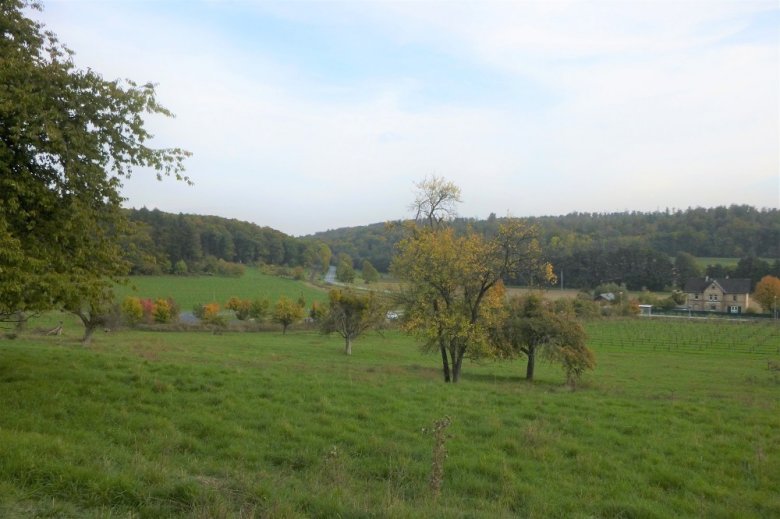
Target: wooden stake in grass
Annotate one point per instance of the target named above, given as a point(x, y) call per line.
point(439, 454)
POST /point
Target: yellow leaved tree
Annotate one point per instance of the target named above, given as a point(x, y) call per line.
point(453, 284)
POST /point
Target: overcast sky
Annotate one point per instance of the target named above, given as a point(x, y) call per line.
point(308, 116)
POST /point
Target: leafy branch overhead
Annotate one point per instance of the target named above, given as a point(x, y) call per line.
point(68, 138)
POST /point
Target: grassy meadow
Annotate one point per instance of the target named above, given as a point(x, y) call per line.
point(189, 291)
point(149, 424)
point(704, 262)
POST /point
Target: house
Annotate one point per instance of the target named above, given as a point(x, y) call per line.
point(707, 294)
point(609, 297)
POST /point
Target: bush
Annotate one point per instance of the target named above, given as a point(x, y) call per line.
point(180, 268)
point(318, 311)
point(132, 310)
point(241, 307)
point(259, 308)
point(586, 309)
point(174, 309)
point(148, 309)
point(162, 311)
point(206, 312)
point(227, 268)
point(575, 359)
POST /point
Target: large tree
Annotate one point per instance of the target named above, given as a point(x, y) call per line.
point(454, 283)
point(685, 268)
point(67, 139)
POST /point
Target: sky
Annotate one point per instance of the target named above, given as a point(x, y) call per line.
point(309, 116)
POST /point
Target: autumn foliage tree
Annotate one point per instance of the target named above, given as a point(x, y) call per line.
point(351, 314)
point(454, 291)
point(767, 293)
point(286, 312)
point(67, 139)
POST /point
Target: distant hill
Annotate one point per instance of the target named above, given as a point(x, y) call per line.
point(591, 248)
point(586, 249)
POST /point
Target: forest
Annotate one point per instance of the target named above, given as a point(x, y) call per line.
point(160, 241)
point(653, 250)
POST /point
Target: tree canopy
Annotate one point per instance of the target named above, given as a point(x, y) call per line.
point(532, 326)
point(351, 314)
point(67, 139)
point(454, 289)
point(767, 293)
point(594, 248)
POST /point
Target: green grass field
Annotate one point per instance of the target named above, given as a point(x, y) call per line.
point(189, 291)
point(704, 262)
point(698, 335)
point(150, 424)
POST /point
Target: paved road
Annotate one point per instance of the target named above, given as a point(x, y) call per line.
point(330, 277)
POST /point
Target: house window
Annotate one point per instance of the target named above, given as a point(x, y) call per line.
point(696, 296)
point(734, 309)
point(735, 298)
point(713, 297)
point(713, 307)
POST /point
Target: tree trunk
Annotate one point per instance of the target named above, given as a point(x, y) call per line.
point(456, 364)
point(89, 329)
point(445, 363)
point(21, 323)
point(529, 370)
point(348, 348)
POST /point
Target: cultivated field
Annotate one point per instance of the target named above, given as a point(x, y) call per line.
point(189, 291)
point(680, 334)
point(155, 424)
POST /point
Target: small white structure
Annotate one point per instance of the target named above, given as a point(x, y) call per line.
point(645, 309)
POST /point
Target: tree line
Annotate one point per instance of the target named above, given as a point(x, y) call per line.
point(586, 249)
point(640, 250)
point(161, 242)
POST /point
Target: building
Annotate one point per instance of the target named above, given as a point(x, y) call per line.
point(730, 296)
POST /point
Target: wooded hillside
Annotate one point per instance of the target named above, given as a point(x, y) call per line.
point(640, 250)
point(634, 248)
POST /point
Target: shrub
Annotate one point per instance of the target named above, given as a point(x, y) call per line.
point(227, 268)
point(241, 307)
point(162, 311)
point(132, 310)
point(206, 312)
point(575, 359)
point(174, 309)
point(585, 308)
point(148, 309)
point(259, 308)
point(180, 268)
point(318, 311)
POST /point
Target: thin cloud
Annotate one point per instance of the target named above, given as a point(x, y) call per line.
point(531, 107)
